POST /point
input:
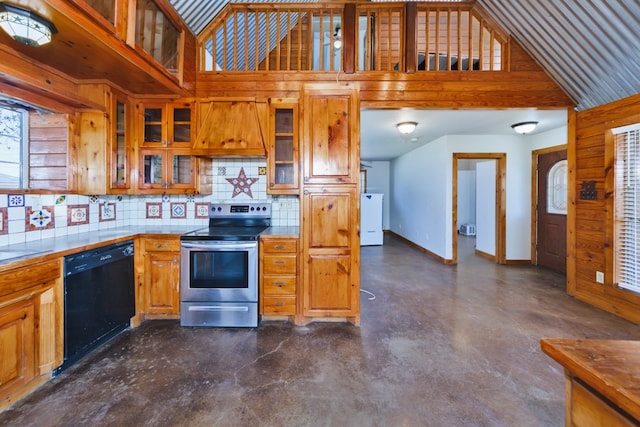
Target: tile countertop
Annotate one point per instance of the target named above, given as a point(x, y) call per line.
point(20, 254)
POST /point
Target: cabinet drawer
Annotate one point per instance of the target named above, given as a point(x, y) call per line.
point(162, 245)
point(279, 264)
point(277, 285)
point(280, 245)
point(280, 305)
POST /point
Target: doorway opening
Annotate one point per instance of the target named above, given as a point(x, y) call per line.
point(499, 220)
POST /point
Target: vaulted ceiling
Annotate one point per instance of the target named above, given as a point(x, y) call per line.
point(590, 48)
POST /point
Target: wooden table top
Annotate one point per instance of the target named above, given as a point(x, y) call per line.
point(611, 367)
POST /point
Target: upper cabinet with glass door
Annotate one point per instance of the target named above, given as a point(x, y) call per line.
point(283, 149)
point(168, 125)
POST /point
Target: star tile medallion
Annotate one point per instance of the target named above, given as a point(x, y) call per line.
point(242, 184)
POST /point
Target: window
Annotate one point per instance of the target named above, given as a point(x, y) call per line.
point(627, 207)
point(157, 35)
point(13, 146)
point(557, 188)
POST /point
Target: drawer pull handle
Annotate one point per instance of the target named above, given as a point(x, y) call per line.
point(162, 245)
point(279, 283)
point(279, 303)
point(279, 262)
point(280, 247)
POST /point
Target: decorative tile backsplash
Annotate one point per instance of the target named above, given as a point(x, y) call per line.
point(77, 214)
point(4, 221)
point(107, 212)
point(39, 216)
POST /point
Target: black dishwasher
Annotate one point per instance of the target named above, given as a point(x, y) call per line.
point(99, 298)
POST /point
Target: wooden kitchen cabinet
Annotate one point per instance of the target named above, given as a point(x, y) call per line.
point(283, 160)
point(330, 203)
point(331, 135)
point(18, 344)
point(31, 342)
point(330, 252)
point(167, 125)
point(278, 276)
point(106, 154)
point(166, 163)
point(168, 171)
point(161, 294)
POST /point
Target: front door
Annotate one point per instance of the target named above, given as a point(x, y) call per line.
point(552, 211)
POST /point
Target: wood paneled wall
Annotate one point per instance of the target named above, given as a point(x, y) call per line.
point(590, 234)
point(48, 151)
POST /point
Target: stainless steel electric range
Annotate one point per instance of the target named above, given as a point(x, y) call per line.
point(219, 267)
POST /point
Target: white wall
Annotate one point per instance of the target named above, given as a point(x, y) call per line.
point(378, 174)
point(486, 206)
point(421, 189)
point(466, 197)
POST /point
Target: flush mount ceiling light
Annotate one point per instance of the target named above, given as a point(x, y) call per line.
point(25, 26)
point(524, 127)
point(406, 128)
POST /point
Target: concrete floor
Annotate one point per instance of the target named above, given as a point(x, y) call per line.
point(439, 346)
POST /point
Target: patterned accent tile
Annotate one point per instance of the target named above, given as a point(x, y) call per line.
point(94, 199)
point(202, 210)
point(77, 214)
point(262, 170)
point(61, 199)
point(107, 212)
point(222, 170)
point(242, 184)
point(154, 210)
point(39, 219)
point(165, 198)
point(178, 210)
point(191, 198)
point(15, 200)
point(4, 221)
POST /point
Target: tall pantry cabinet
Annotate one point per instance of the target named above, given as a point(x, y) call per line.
point(330, 202)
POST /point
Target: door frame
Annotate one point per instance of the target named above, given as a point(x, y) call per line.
point(534, 196)
point(500, 208)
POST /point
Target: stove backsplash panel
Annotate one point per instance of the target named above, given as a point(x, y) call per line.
point(234, 180)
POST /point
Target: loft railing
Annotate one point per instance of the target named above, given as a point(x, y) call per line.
point(411, 37)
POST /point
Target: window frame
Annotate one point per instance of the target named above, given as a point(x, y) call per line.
point(24, 147)
point(619, 208)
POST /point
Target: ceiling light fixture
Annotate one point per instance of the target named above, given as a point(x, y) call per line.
point(406, 128)
point(337, 38)
point(524, 127)
point(25, 26)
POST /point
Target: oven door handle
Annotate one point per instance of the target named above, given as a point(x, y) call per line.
point(219, 245)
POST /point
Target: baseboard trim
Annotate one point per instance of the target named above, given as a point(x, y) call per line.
point(518, 262)
point(421, 249)
point(486, 255)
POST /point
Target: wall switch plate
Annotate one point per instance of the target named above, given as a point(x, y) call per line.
point(599, 277)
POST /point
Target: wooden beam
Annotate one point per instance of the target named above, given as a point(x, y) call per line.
point(349, 26)
point(410, 53)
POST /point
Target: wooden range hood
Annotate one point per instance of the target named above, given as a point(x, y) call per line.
point(231, 128)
